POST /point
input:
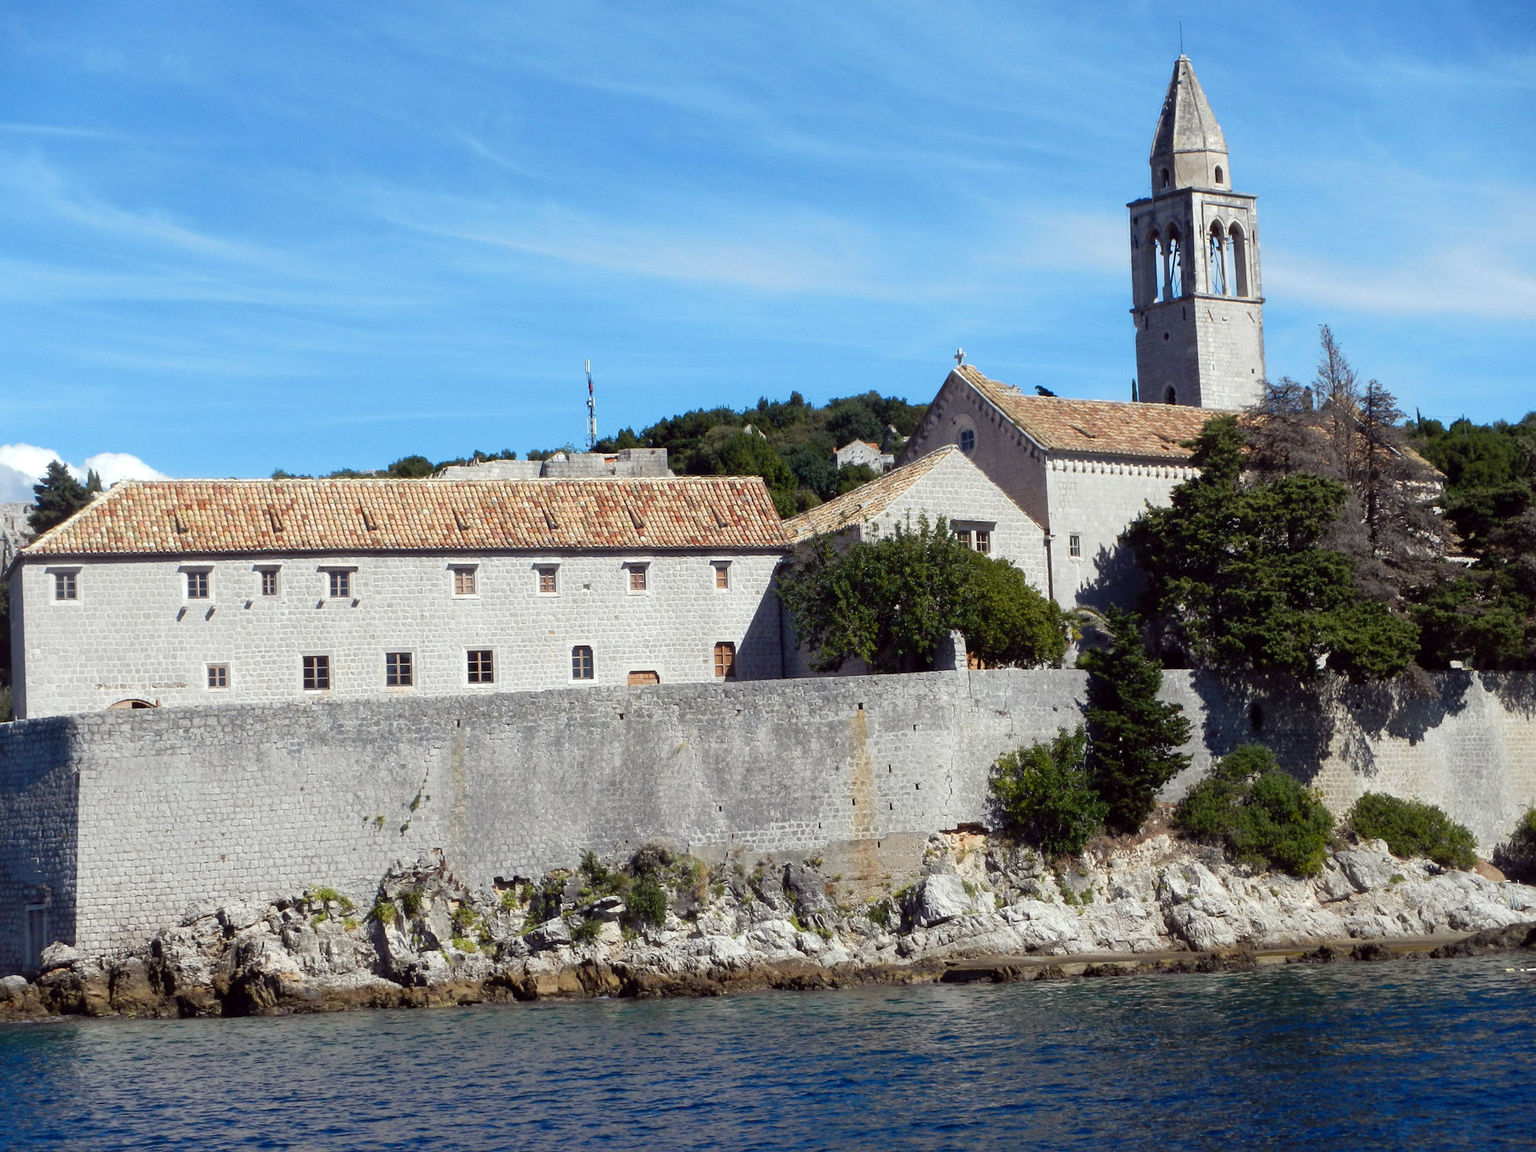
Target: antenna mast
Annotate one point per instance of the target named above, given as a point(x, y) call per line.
point(591, 411)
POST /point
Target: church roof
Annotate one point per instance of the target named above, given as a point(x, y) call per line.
point(866, 501)
point(1095, 427)
point(203, 517)
point(1186, 123)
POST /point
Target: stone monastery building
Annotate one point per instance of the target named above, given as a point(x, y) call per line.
point(199, 592)
point(1084, 469)
point(609, 570)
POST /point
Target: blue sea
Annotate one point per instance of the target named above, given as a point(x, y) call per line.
point(1396, 1055)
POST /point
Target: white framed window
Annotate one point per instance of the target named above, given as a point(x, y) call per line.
point(637, 578)
point(268, 578)
point(66, 584)
point(465, 579)
point(199, 583)
point(218, 677)
point(581, 662)
point(317, 674)
point(722, 575)
point(977, 537)
point(399, 671)
point(1075, 546)
point(480, 666)
point(547, 579)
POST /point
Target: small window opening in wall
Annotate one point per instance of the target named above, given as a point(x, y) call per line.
point(967, 440)
point(66, 586)
point(581, 663)
point(725, 660)
point(1163, 178)
point(637, 577)
point(481, 666)
point(983, 541)
point(464, 580)
point(317, 673)
point(1256, 717)
point(269, 581)
point(398, 672)
point(549, 583)
point(1170, 397)
point(340, 583)
point(197, 584)
point(964, 536)
point(1075, 546)
point(722, 575)
point(1218, 173)
point(218, 677)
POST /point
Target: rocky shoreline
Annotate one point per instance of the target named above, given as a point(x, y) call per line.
point(663, 924)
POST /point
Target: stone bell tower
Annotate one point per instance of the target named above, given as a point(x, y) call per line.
point(1195, 292)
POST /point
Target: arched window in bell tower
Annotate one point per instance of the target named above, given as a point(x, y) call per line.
point(1162, 179)
point(1173, 266)
point(1217, 261)
point(1170, 396)
point(1218, 174)
point(1150, 287)
point(1239, 260)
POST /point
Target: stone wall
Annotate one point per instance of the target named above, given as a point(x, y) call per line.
point(183, 809)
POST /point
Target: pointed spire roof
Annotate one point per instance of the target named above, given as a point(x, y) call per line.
point(1188, 148)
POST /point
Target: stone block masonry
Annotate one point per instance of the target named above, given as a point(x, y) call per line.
point(121, 822)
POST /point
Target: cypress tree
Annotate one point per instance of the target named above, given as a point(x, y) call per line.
point(1134, 738)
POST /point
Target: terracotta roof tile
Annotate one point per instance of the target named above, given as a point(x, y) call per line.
point(865, 502)
point(1095, 427)
point(177, 517)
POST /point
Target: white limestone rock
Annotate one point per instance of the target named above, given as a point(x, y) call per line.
point(938, 898)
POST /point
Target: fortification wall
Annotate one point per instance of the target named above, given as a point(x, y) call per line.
point(178, 809)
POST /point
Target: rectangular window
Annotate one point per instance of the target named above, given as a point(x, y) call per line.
point(397, 670)
point(581, 662)
point(983, 541)
point(722, 575)
point(317, 673)
point(482, 667)
point(269, 581)
point(637, 582)
point(964, 536)
point(464, 580)
point(218, 677)
point(66, 586)
point(197, 584)
point(1075, 546)
point(725, 660)
point(340, 582)
point(548, 583)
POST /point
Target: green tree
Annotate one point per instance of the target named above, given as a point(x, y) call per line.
point(1044, 795)
point(59, 496)
point(891, 601)
point(1133, 736)
point(1239, 578)
point(1259, 813)
point(1413, 828)
point(412, 468)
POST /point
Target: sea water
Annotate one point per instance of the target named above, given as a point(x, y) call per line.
point(1396, 1055)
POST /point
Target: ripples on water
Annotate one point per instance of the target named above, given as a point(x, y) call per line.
point(1432, 1054)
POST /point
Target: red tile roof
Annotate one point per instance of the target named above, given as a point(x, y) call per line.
point(1095, 427)
point(177, 517)
point(866, 501)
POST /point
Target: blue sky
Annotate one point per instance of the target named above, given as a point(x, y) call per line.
point(239, 236)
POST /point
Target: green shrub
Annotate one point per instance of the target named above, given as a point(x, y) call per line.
point(383, 911)
point(1412, 828)
point(410, 902)
point(1043, 794)
point(1517, 855)
point(1259, 813)
point(597, 874)
point(587, 931)
point(647, 903)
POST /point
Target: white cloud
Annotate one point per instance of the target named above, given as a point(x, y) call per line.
point(23, 465)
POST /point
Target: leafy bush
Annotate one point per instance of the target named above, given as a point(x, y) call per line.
point(1043, 794)
point(1517, 855)
point(587, 931)
point(1259, 813)
point(647, 903)
point(1412, 828)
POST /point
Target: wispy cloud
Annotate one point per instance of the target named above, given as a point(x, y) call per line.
point(23, 465)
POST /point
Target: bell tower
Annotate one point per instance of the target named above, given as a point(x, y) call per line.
point(1195, 294)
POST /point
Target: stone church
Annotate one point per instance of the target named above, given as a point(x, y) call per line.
point(1084, 469)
